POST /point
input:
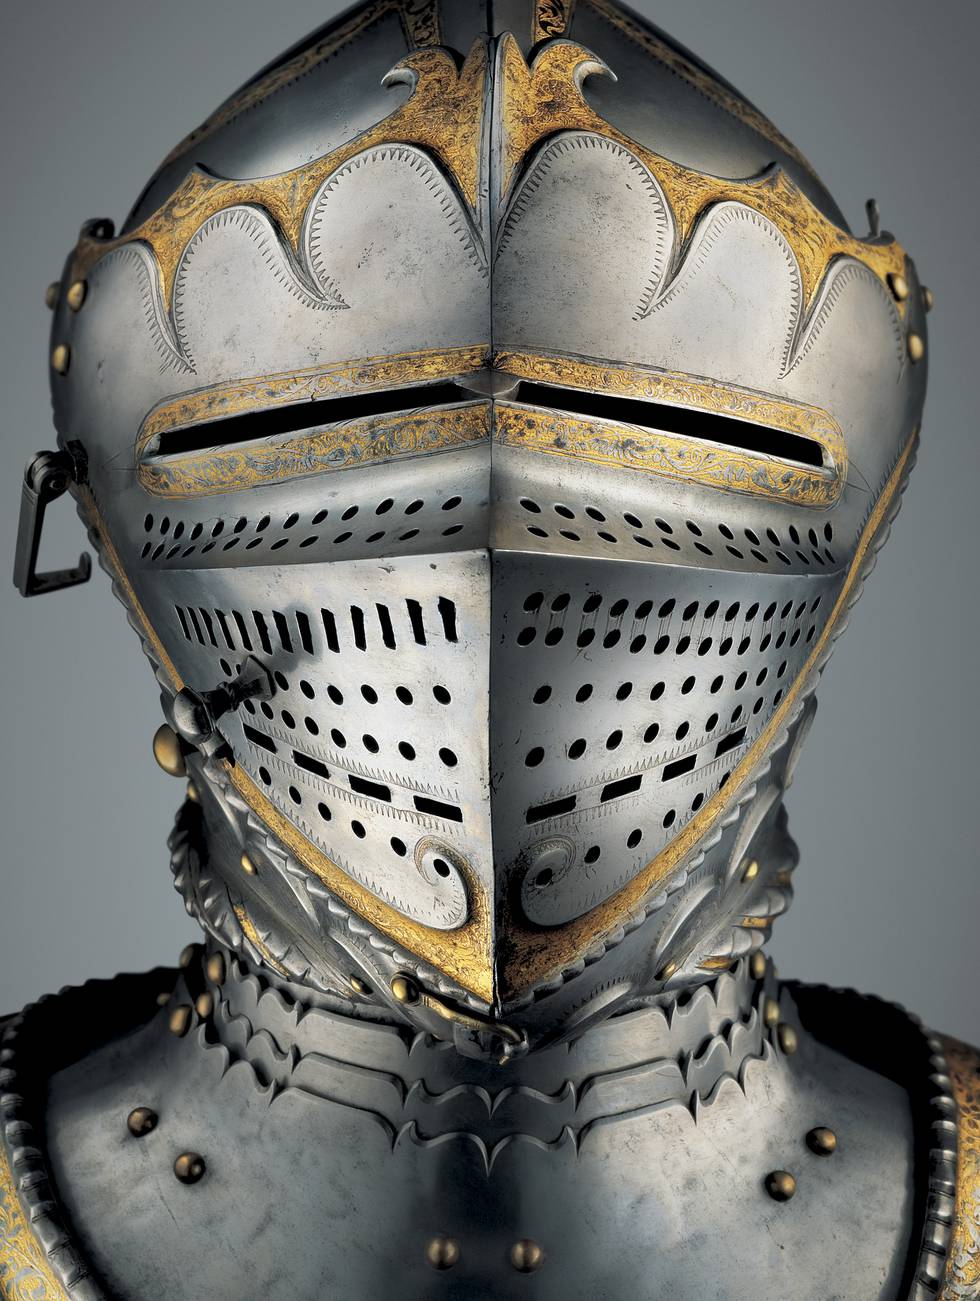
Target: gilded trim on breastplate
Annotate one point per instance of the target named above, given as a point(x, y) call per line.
point(962, 1278)
point(25, 1274)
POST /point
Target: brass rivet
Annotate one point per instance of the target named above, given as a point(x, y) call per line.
point(404, 989)
point(142, 1121)
point(51, 294)
point(189, 1167)
point(187, 956)
point(780, 1185)
point(442, 1253)
point(757, 965)
point(204, 1005)
point(928, 298)
point(822, 1141)
point(360, 986)
point(751, 870)
point(666, 971)
point(248, 867)
point(167, 751)
point(180, 1020)
point(215, 969)
point(788, 1039)
point(163, 999)
point(917, 349)
point(61, 359)
point(192, 794)
point(76, 295)
point(770, 1012)
point(898, 285)
point(526, 1256)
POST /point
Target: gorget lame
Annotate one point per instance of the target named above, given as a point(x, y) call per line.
point(206, 1131)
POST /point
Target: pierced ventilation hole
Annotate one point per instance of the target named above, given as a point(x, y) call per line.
point(553, 809)
point(657, 690)
point(335, 694)
point(451, 503)
point(370, 743)
point(687, 686)
point(544, 877)
point(259, 738)
point(338, 738)
point(531, 506)
point(682, 730)
point(614, 739)
point(369, 693)
point(652, 732)
point(730, 742)
point(311, 726)
point(624, 691)
point(358, 829)
point(438, 808)
point(624, 786)
point(634, 838)
point(534, 757)
point(564, 511)
point(383, 507)
point(441, 867)
point(542, 695)
point(669, 817)
point(594, 513)
point(577, 748)
point(264, 776)
point(406, 750)
point(592, 854)
point(373, 790)
point(288, 719)
point(398, 846)
point(324, 811)
point(404, 695)
point(295, 796)
point(584, 692)
point(632, 520)
point(309, 764)
point(448, 757)
point(441, 695)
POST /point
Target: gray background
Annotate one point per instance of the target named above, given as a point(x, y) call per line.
point(882, 96)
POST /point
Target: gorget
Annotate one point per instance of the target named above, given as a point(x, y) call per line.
point(212, 1131)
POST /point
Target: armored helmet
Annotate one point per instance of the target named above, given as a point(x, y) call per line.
point(488, 420)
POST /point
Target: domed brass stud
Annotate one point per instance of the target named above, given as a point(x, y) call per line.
point(51, 295)
point(526, 1256)
point(666, 971)
point(928, 298)
point(780, 1185)
point(76, 295)
point(248, 867)
point(916, 348)
point(61, 359)
point(204, 1005)
point(404, 989)
point(788, 1039)
point(192, 794)
point(360, 986)
point(215, 969)
point(142, 1121)
point(187, 955)
point(822, 1141)
point(163, 999)
point(898, 285)
point(167, 751)
point(190, 1167)
point(180, 1020)
point(751, 870)
point(442, 1253)
point(757, 965)
point(770, 1012)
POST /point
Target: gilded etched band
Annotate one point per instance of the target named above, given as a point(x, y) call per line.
point(24, 1268)
point(671, 455)
point(962, 1279)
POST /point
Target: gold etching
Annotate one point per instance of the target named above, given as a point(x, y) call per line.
point(442, 115)
point(342, 447)
point(962, 1278)
point(420, 19)
point(25, 1274)
point(250, 931)
point(551, 18)
point(671, 455)
point(546, 97)
point(466, 957)
point(469, 957)
point(528, 955)
point(266, 392)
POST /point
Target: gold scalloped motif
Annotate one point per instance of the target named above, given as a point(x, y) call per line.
point(443, 114)
point(25, 1274)
point(670, 455)
point(551, 18)
point(251, 933)
point(962, 1279)
point(268, 392)
point(349, 446)
point(528, 955)
point(546, 97)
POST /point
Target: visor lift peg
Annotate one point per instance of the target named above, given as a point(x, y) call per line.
point(196, 714)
